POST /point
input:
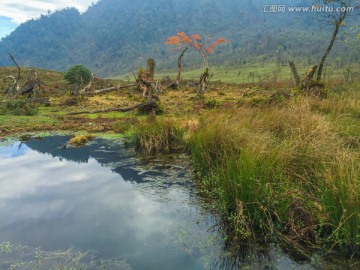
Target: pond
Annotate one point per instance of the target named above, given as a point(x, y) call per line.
point(102, 207)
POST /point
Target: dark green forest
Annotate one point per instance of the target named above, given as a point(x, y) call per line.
point(115, 36)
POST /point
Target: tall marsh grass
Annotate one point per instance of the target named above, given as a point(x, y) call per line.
point(158, 137)
point(281, 170)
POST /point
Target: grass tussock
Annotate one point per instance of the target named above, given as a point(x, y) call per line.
point(153, 137)
point(281, 170)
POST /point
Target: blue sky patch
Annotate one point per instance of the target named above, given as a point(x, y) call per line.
point(6, 26)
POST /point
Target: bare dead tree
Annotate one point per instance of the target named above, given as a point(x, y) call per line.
point(308, 78)
point(151, 68)
point(294, 72)
point(145, 79)
point(180, 65)
point(203, 83)
point(13, 59)
point(32, 83)
point(342, 9)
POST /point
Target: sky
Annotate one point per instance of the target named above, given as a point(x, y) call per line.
point(14, 12)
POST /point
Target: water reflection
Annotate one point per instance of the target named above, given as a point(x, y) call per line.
point(102, 198)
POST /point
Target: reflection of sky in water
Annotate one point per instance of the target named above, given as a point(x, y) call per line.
point(106, 201)
point(53, 203)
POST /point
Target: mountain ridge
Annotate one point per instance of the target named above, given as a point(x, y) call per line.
point(114, 37)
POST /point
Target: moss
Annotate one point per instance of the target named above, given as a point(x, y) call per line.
point(80, 140)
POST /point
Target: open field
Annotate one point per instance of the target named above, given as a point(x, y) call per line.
point(249, 74)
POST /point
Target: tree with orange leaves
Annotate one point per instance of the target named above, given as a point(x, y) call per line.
point(183, 41)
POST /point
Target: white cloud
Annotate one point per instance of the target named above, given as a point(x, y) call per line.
point(20, 11)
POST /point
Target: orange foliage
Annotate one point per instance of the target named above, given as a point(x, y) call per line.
point(203, 48)
point(196, 37)
point(183, 39)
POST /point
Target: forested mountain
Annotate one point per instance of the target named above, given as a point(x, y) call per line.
point(115, 36)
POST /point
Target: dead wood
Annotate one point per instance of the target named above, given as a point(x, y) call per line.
point(309, 76)
point(32, 83)
point(110, 89)
point(14, 88)
point(13, 59)
point(203, 83)
point(180, 65)
point(88, 87)
point(294, 72)
point(308, 86)
point(128, 109)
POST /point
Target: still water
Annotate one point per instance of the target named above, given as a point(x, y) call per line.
point(101, 207)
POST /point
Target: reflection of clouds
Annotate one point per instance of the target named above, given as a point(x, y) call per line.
point(31, 171)
point(88, 192)
point(54, 204)
point(13, 150)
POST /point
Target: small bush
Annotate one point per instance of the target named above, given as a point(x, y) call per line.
point(212, 104)
point(78, 74)
point(18, 107)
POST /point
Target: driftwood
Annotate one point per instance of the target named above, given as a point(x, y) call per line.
point(128, 109)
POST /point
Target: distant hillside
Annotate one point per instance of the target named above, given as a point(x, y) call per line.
point(115, 36)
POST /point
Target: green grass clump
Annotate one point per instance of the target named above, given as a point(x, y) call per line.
point(282, 171)
point(212, 103)
point(158, 137)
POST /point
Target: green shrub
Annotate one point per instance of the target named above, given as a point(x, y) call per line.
point(18, 107)
point(78, 74)
point(212, 103)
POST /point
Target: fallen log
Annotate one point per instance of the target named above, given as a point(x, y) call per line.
point(128, 109)
point(88, 87)
point(110, 89)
